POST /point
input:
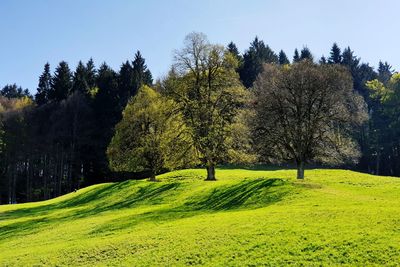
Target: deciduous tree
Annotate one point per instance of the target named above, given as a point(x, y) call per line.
point(304, 112)
point(210, 96)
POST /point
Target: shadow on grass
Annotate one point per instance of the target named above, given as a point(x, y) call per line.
point(249, 194)
point(102, 200)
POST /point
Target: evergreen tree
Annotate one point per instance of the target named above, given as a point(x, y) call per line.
point(253, 60)
point(306, 54)
point(349, 59)
point(335, 55)
point(125, 83)
point(79, 83)
point(14, 91)
point(282, 58)
point(61, 83)
point(296, 56)
point(232, 48)
point(322, 60)
point(141, 75)
point(107, 112)
point(90, 74)
point(384, 72)
point(44, 87)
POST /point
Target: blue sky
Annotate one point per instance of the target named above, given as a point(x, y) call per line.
point(34, 32)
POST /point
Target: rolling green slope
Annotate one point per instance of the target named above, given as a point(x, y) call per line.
point(247, 218)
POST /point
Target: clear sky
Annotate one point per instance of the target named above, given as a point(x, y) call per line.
point(33, 32)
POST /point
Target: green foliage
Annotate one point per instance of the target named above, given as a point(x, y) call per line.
point(150, 136)
point(384, 72)
point(84, 78)
point(14, 91)
point(306, 112)
point(205, 86)
point(141, 75)
point(282, 58)
point(305, 53)
point(44, 87)
point(232, 48)
point(61, 82)
point(247, 218)
point(131, 77)
point(296, 56)
point(335, 55)
point(253, 60)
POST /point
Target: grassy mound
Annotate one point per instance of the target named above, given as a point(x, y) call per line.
point(247, 217)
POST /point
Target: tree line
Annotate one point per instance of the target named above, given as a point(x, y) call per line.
point(215, 106)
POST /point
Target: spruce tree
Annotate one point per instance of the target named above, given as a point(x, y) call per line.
point(282, 58)
point(61, 82)
point(125, 83)
point(44, 86)
point(14, 91)
point(91, 74)
point(141, 75)
point(384, 72)
point(253, 60)
point(306, 54)
point(80, 80)
point(232, 48)
point(335, 55)
point(322, 60)
point(296, 56)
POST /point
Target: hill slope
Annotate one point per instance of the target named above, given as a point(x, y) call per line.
point(248, 217)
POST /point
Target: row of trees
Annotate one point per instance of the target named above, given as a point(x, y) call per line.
point(301, 112)
point(56, 142)
point(215, 106)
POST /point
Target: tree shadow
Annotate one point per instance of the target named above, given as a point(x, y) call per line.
point(247, 194)
point(78, 208)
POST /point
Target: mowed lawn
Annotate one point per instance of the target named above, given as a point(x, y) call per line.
point(246, 218)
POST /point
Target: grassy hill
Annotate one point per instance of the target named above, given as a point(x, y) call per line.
point(248, 217)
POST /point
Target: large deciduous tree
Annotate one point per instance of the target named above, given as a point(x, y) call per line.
point(150, 136)
point(208, 92)
point(305, 112)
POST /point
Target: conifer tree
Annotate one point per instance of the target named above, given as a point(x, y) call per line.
point(90, 74)
point(61, 82)
point(322, 60)
point(306, 54)
point(282, 58)
point(335, 55)
point(44, 87)
point(125, 83)
point(141, 75)
point(296, 56)
point(232, 48)
point(80, 80)
point(253, 60)
point(384, 72)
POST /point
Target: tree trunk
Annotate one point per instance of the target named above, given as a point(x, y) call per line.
point(211, 172)
point(152, 177)
point(300, 170)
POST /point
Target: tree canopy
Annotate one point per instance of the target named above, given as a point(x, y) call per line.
point(305, 112)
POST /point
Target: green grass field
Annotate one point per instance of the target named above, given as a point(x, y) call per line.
point(246, 218)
